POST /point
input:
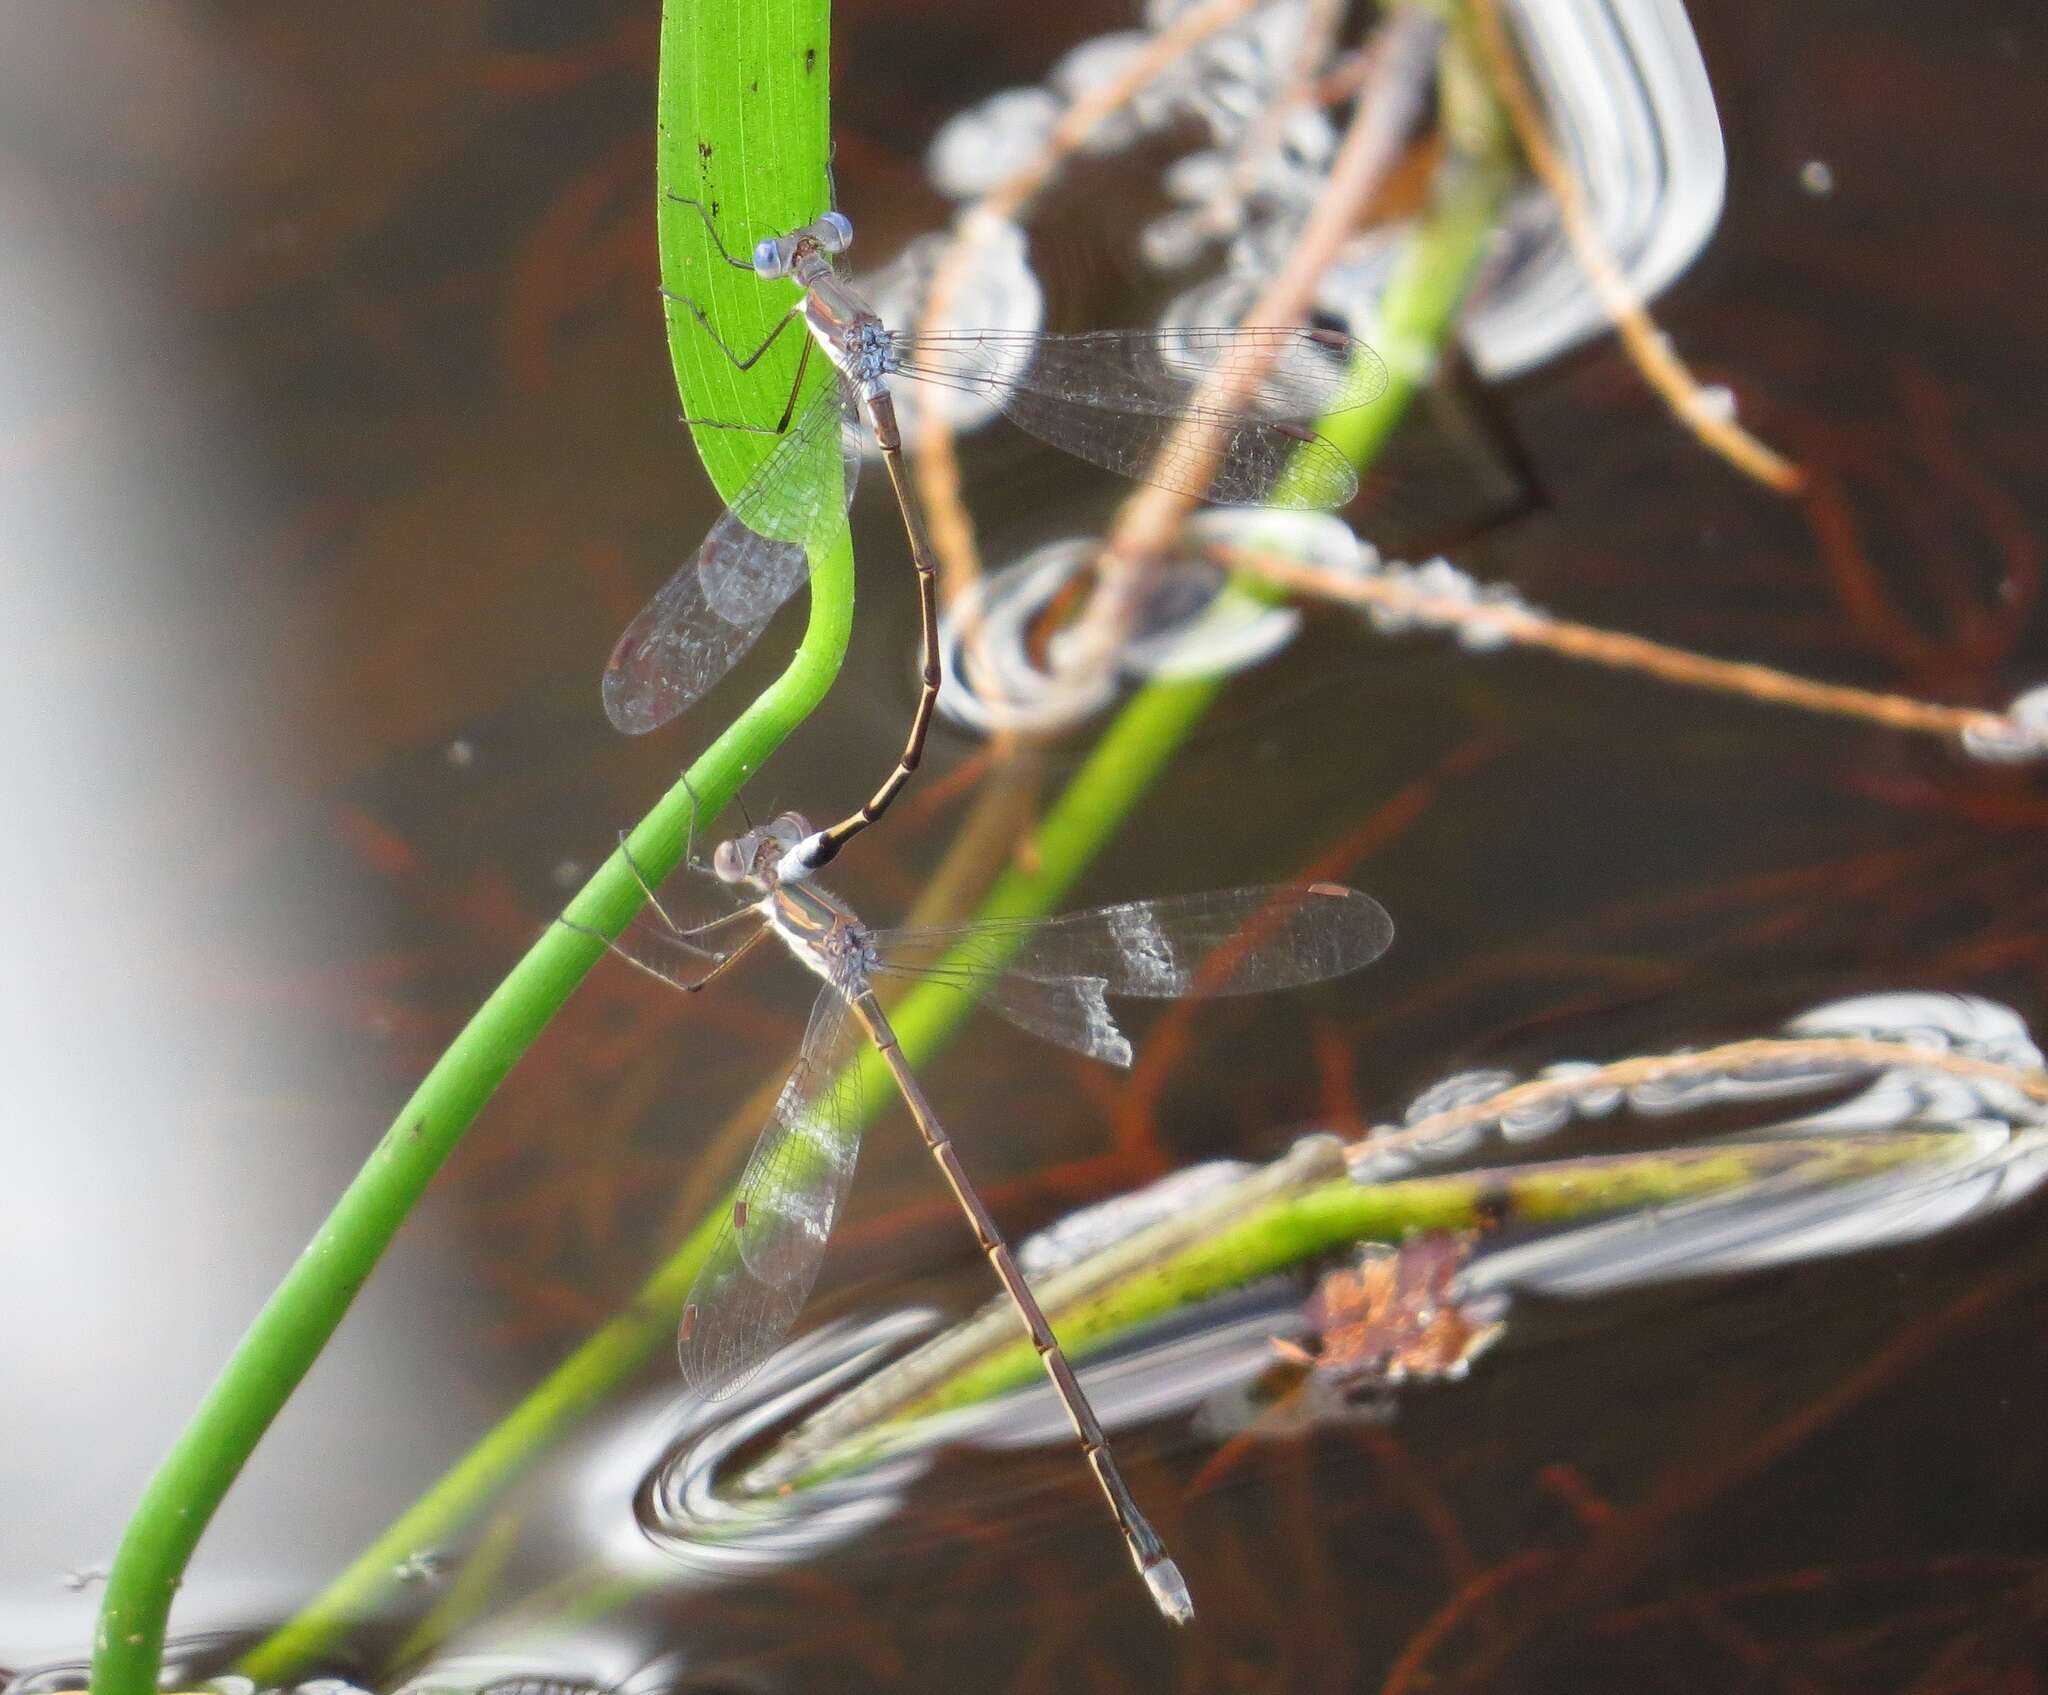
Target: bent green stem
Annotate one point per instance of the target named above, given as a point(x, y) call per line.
point(751, 80)
point(1417, 311)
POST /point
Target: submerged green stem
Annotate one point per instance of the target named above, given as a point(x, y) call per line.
point(1298, 1228)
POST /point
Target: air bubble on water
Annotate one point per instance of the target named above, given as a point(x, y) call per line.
point(1308, 139)
point(1461, 1089)
point(1221, 299)
point(1351, 290)
point(1089, 1230)
point(423, 1566)
point(2021, 735)
point(1097, 63)
point(1533, 1122)
point(990, 142)
point(1223, 97)
point(1984, 1029)
point(1176, 240)
point(1662, 1095)
point(1370, 1164)
point(1482, 634)
point(1817, 177)
point(1454, 1139)
point(1261, 249)
point(1318, 539)
point(1198, 177)
point(1590, 1103)
point(1717, 400)
point(1001, 685)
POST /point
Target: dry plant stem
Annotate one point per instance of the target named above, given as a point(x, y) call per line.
point(1151, 520)
point(1188, 1256)
point(1625, 652)
point(1647, 345)
point(1298, 1228)
point(1386, 112)
point(1862, 1053)
point(933, 462)
point(1321, 20)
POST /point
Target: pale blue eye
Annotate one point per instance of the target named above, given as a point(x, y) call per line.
point(768, 258)
point(835, 233)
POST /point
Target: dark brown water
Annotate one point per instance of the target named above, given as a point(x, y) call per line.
point(337, 443)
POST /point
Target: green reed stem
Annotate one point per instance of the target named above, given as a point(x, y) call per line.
point(749, 80)
point(1416, 312)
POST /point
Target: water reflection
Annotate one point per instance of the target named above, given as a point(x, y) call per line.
point(175, 1120)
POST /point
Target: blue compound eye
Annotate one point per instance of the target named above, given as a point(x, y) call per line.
point(768, 259)
point(835, 233)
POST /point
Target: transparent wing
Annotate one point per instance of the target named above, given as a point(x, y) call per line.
point(1069, 1011)
point(714, 608)
point(1221, 457)
point(1215, 414)
point(1050, 976)
point(1277, 374)
point(760, 1269)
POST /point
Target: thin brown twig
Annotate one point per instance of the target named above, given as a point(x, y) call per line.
point(934, 463)
point(1526, 627)
point(1861, 1052)
point(1150, 521)
point(1647, 345)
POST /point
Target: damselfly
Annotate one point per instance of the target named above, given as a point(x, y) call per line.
point(1217, 414)
point(1051, 977)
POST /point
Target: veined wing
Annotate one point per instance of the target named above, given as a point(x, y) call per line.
point(761, 1266)
point(1050, 976)
point(1229, 458)
point(714, 608)
point(1261, 371)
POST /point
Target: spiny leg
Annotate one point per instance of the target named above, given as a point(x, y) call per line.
point(803, 365)
point(742, 362)
point(721, 962)
point(675, 930)
point(711, 229)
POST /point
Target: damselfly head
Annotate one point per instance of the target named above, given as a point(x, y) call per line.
point(776, 256)
point(754, 857)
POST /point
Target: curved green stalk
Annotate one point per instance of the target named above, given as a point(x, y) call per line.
point(750, 80)
point(1416, 312)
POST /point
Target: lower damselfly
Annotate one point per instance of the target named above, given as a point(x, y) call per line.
point(1050, 976)
point(1218, 414)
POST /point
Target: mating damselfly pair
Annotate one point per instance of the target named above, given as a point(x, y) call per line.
point(1219, 414)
